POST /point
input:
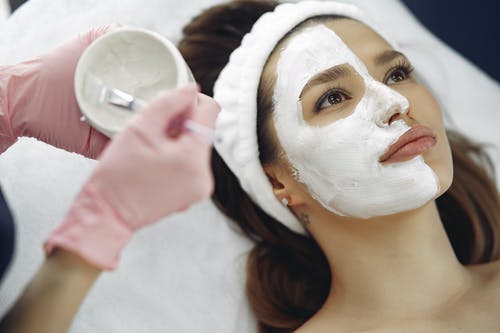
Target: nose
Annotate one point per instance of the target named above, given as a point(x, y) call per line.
point(393, 118)
point(389, 105)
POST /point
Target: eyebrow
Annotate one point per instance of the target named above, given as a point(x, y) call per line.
point(387, 56)
point(328, 75)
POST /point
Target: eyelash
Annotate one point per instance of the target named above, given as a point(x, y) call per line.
point(402, 65)
point(330, 92)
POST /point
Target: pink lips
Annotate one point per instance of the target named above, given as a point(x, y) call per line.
point(417, 140)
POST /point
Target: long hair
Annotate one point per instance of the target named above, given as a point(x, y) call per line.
point(282, 295)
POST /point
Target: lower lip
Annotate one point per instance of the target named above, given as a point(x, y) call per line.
point(412, 149)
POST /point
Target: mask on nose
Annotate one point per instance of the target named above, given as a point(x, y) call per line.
point(339, 162)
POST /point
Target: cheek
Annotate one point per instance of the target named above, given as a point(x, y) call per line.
point(426, 110)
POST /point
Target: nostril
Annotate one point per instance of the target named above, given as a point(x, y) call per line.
point(394, 117)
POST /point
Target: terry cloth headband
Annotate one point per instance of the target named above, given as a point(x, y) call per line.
point(236, 92)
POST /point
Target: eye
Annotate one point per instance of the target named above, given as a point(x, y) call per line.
point(398, 73)
point(397, 76)
point(331, 98)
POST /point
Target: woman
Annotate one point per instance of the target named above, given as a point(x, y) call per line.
point(333, 264)
point(336, 162)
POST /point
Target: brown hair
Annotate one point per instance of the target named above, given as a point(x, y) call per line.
point(281, 295)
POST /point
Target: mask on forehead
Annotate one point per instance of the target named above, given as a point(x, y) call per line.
point(339, 162)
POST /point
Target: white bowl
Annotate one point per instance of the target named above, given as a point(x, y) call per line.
point(139, 62)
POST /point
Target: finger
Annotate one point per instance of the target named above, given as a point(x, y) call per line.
point(170, 109)
point(95, 144)
point(172, 103)
point(202, 120)
point(206, 111)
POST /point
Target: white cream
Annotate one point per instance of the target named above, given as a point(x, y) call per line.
point(339, 162)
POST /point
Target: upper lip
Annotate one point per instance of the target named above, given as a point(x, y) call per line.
point(414, 133)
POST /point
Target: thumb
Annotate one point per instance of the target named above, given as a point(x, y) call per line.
point(86, 38)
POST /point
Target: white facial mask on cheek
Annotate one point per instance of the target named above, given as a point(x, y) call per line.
point(339, 163)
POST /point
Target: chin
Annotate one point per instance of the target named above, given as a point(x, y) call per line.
point(443, 169)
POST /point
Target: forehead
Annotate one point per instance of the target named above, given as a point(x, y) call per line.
point(363, 41)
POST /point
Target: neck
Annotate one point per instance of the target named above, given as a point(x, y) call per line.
point(390, 266)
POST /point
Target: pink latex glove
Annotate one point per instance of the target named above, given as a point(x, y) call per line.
point(143, 175)
point(37, 100)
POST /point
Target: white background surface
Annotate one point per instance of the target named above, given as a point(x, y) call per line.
point(187, 273)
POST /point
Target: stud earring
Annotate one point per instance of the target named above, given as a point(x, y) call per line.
point(284, 201)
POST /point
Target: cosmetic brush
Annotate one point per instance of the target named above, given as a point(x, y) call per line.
point(99, 94)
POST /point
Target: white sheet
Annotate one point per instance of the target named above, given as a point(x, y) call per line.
point(185, 274)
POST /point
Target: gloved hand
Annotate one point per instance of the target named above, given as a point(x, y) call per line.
point(143, 175)
point(37, 100)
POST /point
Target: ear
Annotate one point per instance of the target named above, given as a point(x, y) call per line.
point(284, 185)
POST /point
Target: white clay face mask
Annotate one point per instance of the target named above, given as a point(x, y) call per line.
point(339, 162)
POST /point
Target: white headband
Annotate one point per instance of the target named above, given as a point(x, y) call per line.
point(236, 92)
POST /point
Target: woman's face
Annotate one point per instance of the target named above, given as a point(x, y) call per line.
point(357, 132)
